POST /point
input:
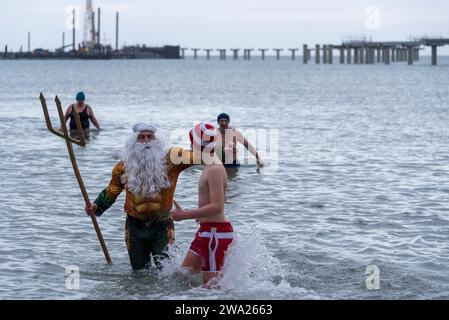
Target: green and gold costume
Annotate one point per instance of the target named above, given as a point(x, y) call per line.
point(149, 226)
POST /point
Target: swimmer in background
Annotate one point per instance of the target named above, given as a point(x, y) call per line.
point(84, 111)
point(227, 139)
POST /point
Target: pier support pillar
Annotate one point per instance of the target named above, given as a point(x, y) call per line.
point(368, 56)
point(330, 52)
point(195, 53)
point(278, 53)
point(369, 52)
point(362, 56)
point(294, 54)
point(356, 55)
point(317, 54)
point(434, 55)
point(416, 54)
point(208, 53)
point(387, 56)
point(222, 54)
point(342, 55)
point(262, 51)
point(248, 54)
point(393, 54)
point(379, 57)
point(410, 55)
point(349, 56)
point(183, 53)
point(305, 53)
point(235, 53)
point(325, 54)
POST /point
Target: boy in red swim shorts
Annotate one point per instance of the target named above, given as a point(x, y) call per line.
point(208, 249)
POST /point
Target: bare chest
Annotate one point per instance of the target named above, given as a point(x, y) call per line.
point(202, 184)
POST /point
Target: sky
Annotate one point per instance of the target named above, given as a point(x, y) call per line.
point(226, 23)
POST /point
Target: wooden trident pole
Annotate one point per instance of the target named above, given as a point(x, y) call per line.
point(81, 142)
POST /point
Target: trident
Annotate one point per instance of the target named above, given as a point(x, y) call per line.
point(81, 142)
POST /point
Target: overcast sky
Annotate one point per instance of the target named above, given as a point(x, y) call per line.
point(227, 23)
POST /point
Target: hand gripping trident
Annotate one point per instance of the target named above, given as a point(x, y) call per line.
point(81, 142)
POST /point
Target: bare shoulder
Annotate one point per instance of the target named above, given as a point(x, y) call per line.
point(238, 133)
point(217, 172)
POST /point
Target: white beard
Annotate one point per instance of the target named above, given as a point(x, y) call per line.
point(145, 167)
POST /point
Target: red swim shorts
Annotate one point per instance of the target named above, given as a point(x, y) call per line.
point(211, 243)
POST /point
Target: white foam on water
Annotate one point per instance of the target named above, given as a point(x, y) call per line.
point(250, 272)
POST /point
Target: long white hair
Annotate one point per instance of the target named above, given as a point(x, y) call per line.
point(145, 166)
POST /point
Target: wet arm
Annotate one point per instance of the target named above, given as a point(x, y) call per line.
point(248, 145)
point(68, 112)
point(93, 119)
point(109, 195)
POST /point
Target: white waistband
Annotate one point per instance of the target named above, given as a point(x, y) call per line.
point(218, 235)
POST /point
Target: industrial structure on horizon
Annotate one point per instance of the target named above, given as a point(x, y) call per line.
point(91, 47)
point(361, 51)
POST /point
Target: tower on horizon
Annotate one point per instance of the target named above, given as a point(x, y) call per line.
point(90, 34)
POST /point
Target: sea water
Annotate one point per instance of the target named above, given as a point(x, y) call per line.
point(356, 176)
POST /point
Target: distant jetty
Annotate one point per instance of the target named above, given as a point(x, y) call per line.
point(350, 52)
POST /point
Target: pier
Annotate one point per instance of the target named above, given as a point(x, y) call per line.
point(351, 52)
point(370, 52)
